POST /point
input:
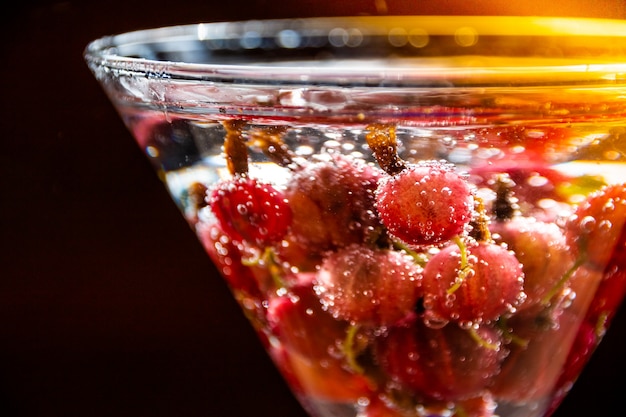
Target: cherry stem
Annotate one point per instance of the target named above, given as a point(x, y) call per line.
point(271, 143)
point(459, 411)
point(601, 324)
point(464, 267)
point(235, 147)
point(566, 276)
point(273, 267)
point(519, 341)
point(481, 341)
point(267, 257)
point(348, 348)
point(382, 141)
point(505, 206)
point(481, 232)
point(420, 258)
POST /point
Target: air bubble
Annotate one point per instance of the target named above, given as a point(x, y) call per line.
point(587, 224)
point(411, 370)
point(537, 181)
point(435, 323)
point(609, 206)
point(363, 401)
point(605, 225)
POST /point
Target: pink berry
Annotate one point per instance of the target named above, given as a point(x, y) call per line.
point(542, 250)
point(373, 286)
point(488, 286)
point(426, 203)
point(594, 231)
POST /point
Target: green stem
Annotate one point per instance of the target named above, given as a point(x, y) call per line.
point(270, 263)
point(420, 258)
point(273, 267)
point(600, 327)
point(460, 411)
point(464, 267)
point(348, 348)
point(519, 341)
point(481, 341)
point(566, 276)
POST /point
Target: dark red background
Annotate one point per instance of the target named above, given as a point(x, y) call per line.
point(108, 306)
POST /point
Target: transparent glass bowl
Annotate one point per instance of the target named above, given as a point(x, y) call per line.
point(421, 216)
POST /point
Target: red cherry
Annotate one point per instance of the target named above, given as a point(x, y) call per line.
point(542, 250)
point(536, 356)
point(326, 380)
point(369, 286)
point(595, 228)
point(333, 204)
point(426, 203)
point(489, 286)
point(544, 342)
point(302, 325)
point(226, 256)
point(250, 211)
point(449, 363)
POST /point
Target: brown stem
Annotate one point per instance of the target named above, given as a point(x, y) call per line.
point(505, 206)
point(480, 223)
point(271, 143)
point(382, 141)
point(235, 147)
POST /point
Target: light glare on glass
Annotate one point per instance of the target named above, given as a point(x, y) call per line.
point(466, 36)
point(288, 39)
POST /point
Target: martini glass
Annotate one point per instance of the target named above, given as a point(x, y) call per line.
point(420, 216)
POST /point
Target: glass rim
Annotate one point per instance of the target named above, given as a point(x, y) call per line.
point(409, 51)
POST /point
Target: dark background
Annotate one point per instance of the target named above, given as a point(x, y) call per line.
point(108, 305)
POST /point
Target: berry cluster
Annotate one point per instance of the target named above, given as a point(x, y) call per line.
point(413, 289)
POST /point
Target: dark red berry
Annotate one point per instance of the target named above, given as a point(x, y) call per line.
point(333, 204)
point(602, 308)
point(535, 357)
point(542, 338)
point(449, 363)
point(227, 257)
point(302, 325)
